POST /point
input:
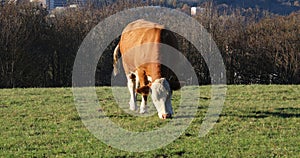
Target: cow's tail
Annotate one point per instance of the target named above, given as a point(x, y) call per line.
point(116, 55)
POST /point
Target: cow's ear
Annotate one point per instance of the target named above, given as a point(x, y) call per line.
point(143, 90)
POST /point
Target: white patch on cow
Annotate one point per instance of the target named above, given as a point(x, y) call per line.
point(149, 78)
point(161, 97)
point(131, 83)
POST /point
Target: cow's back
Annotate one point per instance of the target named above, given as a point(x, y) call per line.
point(140, 46)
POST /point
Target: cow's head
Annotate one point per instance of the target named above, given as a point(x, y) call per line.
point(161, 96)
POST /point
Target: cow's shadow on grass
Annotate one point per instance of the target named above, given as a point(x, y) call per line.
point(280, 112)
point(289, 112)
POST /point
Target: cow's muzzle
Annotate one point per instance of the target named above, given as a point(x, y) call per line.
point(166, 116)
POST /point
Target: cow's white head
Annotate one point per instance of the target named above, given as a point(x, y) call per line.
point(161, 96)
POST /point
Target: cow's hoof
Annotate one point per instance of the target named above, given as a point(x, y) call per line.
point(143, 111)
point(132, 107)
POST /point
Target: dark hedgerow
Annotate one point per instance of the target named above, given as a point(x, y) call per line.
point(38, 48)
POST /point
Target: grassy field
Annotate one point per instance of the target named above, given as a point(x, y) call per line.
point(256, 121)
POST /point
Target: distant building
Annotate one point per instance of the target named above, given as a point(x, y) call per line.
point(51, 4)
point(197, 10)
point(78, 2)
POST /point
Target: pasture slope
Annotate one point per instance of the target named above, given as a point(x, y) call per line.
point(256, 121)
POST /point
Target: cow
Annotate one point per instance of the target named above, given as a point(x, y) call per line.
point(141, 54)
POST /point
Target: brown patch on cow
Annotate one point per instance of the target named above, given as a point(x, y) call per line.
point(145, 35)
point(142, 77)
point(143, 90)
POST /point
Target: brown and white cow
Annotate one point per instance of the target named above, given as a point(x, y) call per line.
point(140, 48)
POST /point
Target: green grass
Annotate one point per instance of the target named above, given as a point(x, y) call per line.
point(256, 121)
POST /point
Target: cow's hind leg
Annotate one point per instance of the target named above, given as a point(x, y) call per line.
point(131, 83)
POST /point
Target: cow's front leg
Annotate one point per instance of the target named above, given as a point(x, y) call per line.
point(131, 83)
point(144, 108)
point(143, 89)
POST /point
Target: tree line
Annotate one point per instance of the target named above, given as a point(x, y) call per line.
point(38, 49)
